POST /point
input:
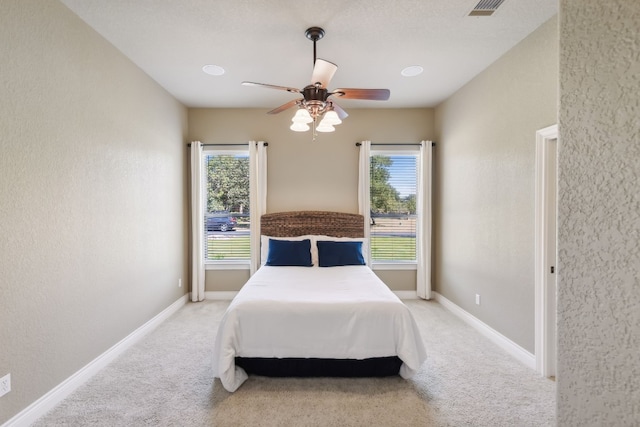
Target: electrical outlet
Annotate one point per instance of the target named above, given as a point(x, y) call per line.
point(477, 299)
point(179, 283)
point(5, 384)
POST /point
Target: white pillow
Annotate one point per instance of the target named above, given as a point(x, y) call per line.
point(264, 247)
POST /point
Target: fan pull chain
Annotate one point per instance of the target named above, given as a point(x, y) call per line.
point(313, 131)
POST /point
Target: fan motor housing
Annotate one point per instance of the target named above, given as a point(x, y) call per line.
point(314, 93)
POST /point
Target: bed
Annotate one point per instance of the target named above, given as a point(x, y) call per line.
point(314, 309)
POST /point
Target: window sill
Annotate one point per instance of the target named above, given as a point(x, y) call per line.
point(227, 265)
point(394, 266)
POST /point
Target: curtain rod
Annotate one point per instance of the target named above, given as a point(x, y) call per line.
point(433, 144)
point(266, 144)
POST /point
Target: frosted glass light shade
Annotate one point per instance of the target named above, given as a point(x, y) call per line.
point(302, 116)
point(331, 118)
point(325, 127)
point(299, 127)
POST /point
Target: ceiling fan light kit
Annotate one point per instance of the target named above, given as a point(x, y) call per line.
point(314, 107)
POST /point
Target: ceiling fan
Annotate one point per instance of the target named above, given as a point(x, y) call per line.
point(315, 102)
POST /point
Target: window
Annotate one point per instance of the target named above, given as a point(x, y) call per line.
point(394, 217)
point(227, 227)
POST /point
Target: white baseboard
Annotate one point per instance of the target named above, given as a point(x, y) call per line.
point(503, 342)
point(41, 406)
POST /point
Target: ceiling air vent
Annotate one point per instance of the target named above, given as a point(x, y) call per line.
point(485, 7)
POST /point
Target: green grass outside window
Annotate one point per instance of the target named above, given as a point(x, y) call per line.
point(384, 248)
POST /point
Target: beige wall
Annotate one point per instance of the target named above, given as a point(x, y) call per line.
point(484, 185)
point(320, 175)
point(599, 214)
point(92, 191)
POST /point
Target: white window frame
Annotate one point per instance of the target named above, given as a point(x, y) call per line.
point(236, 264)
point(399, 150)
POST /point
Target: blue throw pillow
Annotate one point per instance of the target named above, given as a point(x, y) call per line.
point(295, 253)
point(333, 254)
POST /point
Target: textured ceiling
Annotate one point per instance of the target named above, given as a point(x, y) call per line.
point(263, 41)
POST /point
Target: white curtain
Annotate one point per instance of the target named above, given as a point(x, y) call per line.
point(197, 224)
point(258, 196)
point(364, 204)
point(423, 202)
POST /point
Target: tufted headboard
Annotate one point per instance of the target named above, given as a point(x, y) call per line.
point(299, 223)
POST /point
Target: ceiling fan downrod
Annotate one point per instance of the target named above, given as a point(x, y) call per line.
point(314, 34)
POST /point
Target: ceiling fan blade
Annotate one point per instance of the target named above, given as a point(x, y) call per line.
point(372, 94)
point(284, 106)
point(339, 111)
point(323, 71)
point(288, 89)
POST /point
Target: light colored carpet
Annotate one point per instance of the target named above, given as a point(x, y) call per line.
point(166, 380)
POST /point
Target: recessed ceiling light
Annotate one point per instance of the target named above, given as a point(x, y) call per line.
point(411, 71)
point(213, 70)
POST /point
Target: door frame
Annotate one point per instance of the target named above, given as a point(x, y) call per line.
point(544, 341)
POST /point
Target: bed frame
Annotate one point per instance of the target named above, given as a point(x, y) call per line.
point(335, 224)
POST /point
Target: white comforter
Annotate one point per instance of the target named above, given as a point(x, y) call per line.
point(335, 313)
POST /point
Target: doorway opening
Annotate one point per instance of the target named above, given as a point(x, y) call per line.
point(546, 251)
